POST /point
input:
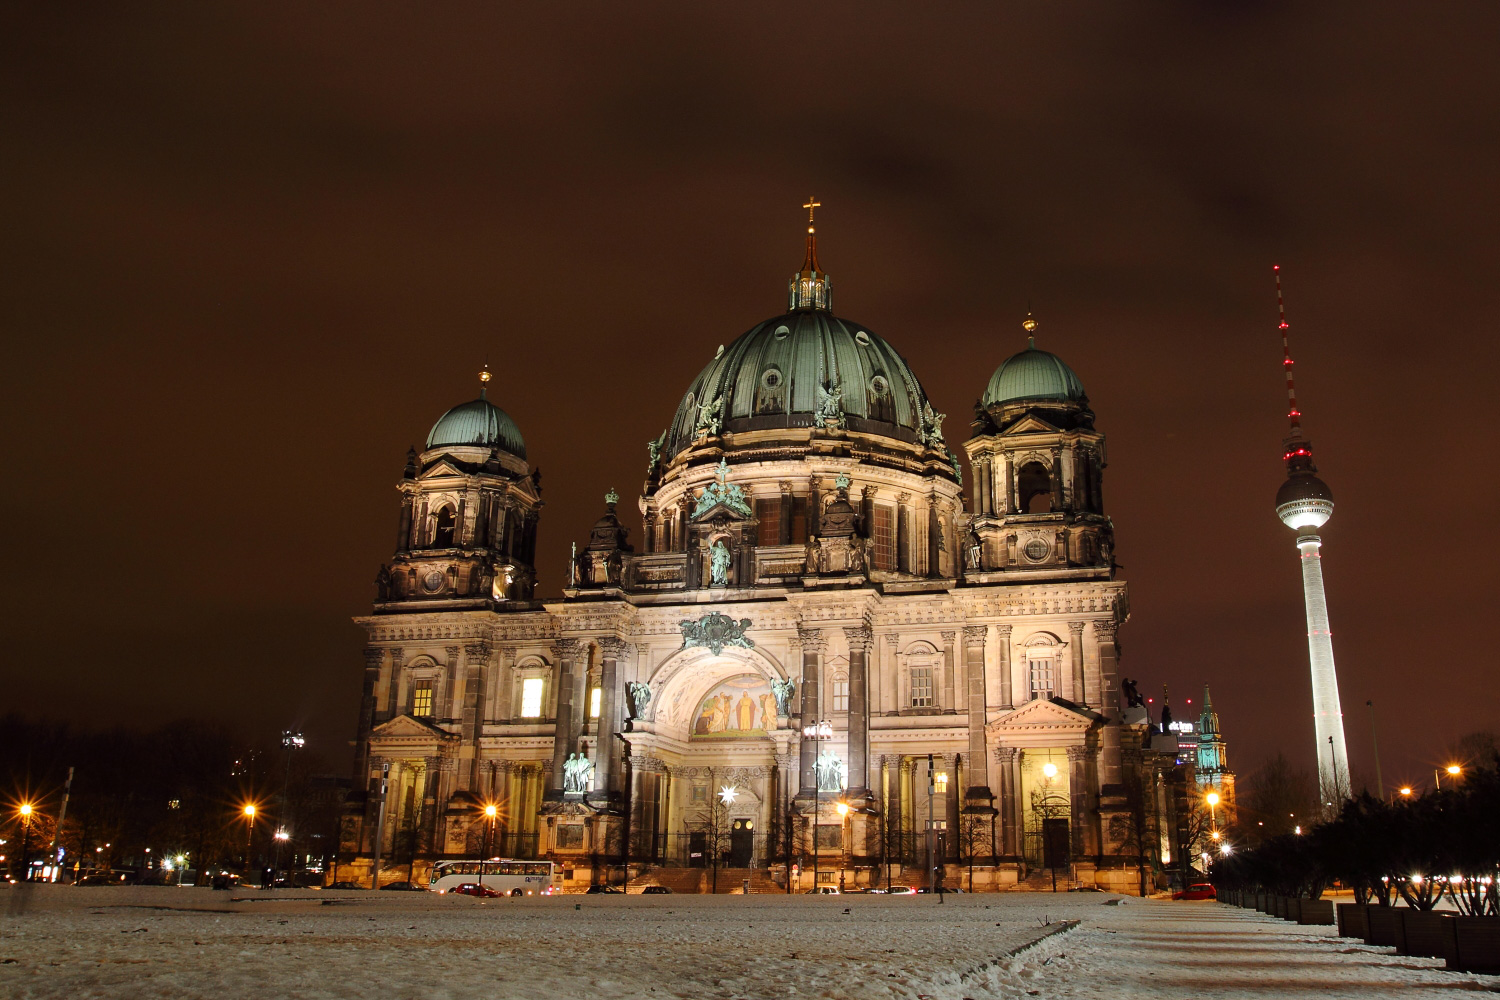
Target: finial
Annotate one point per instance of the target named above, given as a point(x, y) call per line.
point(611, 498)
point(1029, 324)
point(810, 287)
point(484, 378)
point(811, 204)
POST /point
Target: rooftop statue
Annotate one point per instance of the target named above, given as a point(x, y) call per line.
point(710, 416)
point(722, 491)
point(831, 404)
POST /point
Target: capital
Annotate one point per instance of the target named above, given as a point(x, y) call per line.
point(1104, 631)
point(812, 639)
point(949, 637)
point(1003, 631)
point(1076, 754)
point(1006, 755)
point(612, 647)
point(975, 635)
point(860, 637)
point(1077, 629)
point(373, 657)
point(567, 649)
point(477, 652)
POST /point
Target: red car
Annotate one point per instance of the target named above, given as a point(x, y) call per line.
point(1200, 891)
point(476, 889)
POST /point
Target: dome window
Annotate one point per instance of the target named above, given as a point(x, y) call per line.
point(770, 378)
point(782, 332)
point(862, 339)
point(771, 397)
point(879, 386)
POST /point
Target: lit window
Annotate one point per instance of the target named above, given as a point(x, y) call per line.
point(940, 782)
point(882, 533)
point(841, 694)
point(531, 698)
point(595, 696)
point(421, 700)
point(921, 687)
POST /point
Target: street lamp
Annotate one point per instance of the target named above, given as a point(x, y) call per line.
point(289, 741)
point(26, 841)
point(1405, 789)
point(181, 865)
point(843, 809)
point(490, 812)
point(249, 813)
point(820, 730)
point(1453, 771)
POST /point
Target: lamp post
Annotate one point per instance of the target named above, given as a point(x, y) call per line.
point(1453, 771)
point(249, 814)
point(490, 812)
point(26, 841)
point(931, 830)
point(820, 730)
point(843, 808)
point(289, 741)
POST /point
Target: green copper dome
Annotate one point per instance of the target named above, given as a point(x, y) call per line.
point(477, 424)
point(1033, 374)
point(803, 369)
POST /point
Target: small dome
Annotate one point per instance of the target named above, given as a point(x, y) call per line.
point(1033, 374)
point(1304, 501)
point(477, 424)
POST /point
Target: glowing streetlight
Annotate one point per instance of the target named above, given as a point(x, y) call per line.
point(1405, 789)
point(25, 811)
point(1454, 769)
point(1212, 798)
point(491, 811)
point(249, 813)
point(1049, 769)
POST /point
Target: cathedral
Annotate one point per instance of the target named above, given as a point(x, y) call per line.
point(823, 662)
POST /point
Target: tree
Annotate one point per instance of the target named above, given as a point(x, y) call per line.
point(1135, 828)
point(974, 832)
point(1277, 799)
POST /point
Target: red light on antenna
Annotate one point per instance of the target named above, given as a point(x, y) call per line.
point(1275, 267)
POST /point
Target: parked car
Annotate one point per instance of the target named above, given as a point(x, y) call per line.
point(287, 882)
point(901, 890)
point(104, 878)
point(476, 889)
point(824, 890)
point(225, 880)
point(656, 890)
point(346, 885)
point(596, 889)
point(404, 887)
point(1200, 890)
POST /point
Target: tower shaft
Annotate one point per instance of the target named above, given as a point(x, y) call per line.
point(1328, 717)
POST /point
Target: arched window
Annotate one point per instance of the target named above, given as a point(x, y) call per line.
point(442, 537)
point(841, 692)
point(922, 661)
point(1034, 484)
point(1043, 656)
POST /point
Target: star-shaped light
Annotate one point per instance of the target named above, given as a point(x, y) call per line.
point(728, 793)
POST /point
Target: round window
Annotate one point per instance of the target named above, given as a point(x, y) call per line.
point(433, 581)
point(770, 378)
point(1036, 550)
point(862, 339)
point(879, 386)
point(782, 332)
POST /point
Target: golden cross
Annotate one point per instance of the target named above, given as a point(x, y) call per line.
point(811, 204)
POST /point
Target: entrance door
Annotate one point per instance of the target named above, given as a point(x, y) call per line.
point(1055, 843)
point(698, 850)
point(741, 843)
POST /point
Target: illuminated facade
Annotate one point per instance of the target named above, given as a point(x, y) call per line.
point(818, 654)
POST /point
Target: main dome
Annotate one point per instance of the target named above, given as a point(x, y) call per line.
point(1033, 374)
point(477, 424)
point(780, 372)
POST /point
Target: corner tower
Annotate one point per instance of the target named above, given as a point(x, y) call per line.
point(1038, 491)
point(1304, 503)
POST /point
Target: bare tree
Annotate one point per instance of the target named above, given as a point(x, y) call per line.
point(974, 831)
point(1277, 799)
point(1135, 829)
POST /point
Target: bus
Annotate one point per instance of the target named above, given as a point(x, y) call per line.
point(512, 878)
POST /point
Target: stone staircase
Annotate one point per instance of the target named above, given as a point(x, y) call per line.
point(689, 880)
point(732, 880)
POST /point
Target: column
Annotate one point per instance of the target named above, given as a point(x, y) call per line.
point(1010, 483)
point(403, 532)
point(1109, 704)
point(951, 797)
point(978, 791)
point(890, 695)
point(648, 529)
point(607, 748)
point(1007, 699)
point(1078, 801)
point(813, 643)
point(903, 532)
point(1007, 759)
point(568, 652)
point(1057, 479)
point(814, 508)
point(787, 503)
point(934, 537)
point(905, 813)
point(860, 641)
point(1080, 688)
point(476, 655)
point(950, 702)
point(374, 656)
point(448, 709)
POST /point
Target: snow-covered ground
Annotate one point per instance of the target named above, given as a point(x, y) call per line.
point(164, 942)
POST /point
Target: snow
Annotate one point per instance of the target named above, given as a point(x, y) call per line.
point(59, 941)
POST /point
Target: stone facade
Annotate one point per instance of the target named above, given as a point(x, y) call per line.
point(820, 655)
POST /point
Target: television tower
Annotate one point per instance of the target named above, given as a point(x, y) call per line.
point(1304, 503)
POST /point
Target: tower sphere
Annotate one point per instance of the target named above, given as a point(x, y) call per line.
point(1304, 501)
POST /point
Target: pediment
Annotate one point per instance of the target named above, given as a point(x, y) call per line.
point(1030, 424)
point(724, 511)
point(444, 466)
point(1055, 715)
point(404, 727)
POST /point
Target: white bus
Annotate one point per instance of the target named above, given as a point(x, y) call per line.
point(511, 878)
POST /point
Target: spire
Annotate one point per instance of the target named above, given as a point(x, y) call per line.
point(1029, 324)
point(810, 287)
point(1297, 450)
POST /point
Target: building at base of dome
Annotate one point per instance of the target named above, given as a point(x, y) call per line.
point(818, 663)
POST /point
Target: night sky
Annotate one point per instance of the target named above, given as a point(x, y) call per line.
point(252, 252)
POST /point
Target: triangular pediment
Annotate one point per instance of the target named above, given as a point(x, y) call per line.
point(718, 510)
point(405, 727)
point(444, 466)
point(1053, 715)
point(1030, 424)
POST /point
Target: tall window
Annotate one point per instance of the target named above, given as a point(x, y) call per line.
point(1034, 484)
point(446, 522)
point(921, 687)
point(595, 697)
point(1042, 670)
point(883, 535)
point(841, 693)
point(531, 697)
point(769, 513)
point(421, 700)
point(799, 520)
